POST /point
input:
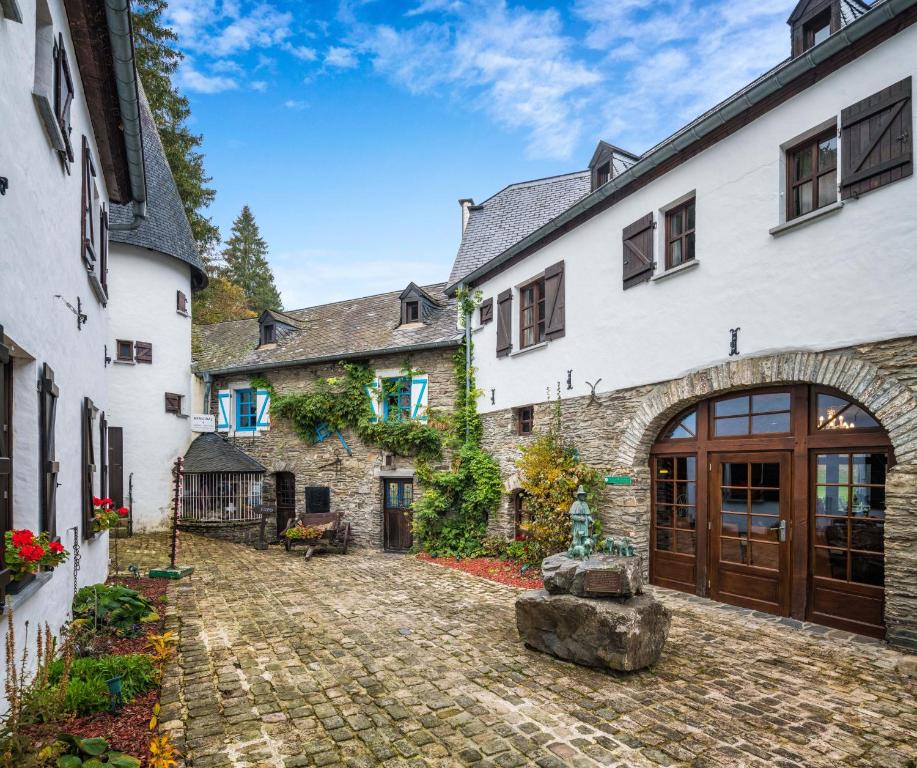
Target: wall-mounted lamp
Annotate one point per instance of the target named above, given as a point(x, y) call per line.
point(4, 185)
point(570, 379)
point(81, 317)
point(493, 397)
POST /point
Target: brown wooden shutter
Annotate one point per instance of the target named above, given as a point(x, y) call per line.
point(877, 142)
point(487, 311)
point(116, 466)
point(6, 517)
point(89, 467)
point(143, 352)
point(63, 94)
point(181, 302)
point(50, 467)
point(173, 403)
point(504, 323)
point(554, 302)
point(103, 249)
point(638, 251)
point(103, 456)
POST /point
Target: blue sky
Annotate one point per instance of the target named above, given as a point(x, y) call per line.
point(352, 128)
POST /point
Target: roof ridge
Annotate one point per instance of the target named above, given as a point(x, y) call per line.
point(532, 183)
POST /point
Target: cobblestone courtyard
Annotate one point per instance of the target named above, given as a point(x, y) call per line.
point(374, 659)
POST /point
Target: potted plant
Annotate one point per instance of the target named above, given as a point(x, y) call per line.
point(104, 516)
point(27, 552)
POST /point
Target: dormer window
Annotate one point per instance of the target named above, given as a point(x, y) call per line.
point(607, 162)
point(817, 29)
point(814, 21)
point(416, 305)
point(268, 333)
point(603, 174)
point(273, 326)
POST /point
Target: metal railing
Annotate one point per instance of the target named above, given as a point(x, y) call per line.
point(220, 497)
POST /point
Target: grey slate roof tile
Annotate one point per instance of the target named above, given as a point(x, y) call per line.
point(513, 214)
point(166, 227)
point(368, 325)
point(211, 452)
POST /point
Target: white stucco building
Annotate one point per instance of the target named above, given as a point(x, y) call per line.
point(70, 132)
point(720, 301)
point(154, 269)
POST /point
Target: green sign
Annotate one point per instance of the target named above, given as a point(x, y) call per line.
point(618, 480)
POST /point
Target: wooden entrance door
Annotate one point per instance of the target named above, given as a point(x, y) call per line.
point(398, 497)
point(286, 498)
point(749, 526)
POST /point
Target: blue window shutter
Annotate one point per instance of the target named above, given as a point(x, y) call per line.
point(224, 405)
point(263, 399)
point(374, 393)
point(419, 398)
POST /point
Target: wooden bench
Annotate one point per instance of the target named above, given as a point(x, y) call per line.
point(333, 539)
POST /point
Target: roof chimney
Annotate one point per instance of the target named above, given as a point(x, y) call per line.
point(466, 203)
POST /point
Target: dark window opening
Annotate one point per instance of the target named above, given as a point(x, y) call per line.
point(816, 30)
point(812, 175)
point(411, 311)
point(603, 174)
point(173, 403)
point(522, 517)
point(125, 351)
point(679, 233)
point(268, 333)
point(318, 500)
point(525, 420)
point(531, 313)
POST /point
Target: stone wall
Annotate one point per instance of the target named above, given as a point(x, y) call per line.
point(354, 480)
point(615, 431)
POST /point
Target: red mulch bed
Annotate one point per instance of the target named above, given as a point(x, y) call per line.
point(503, 571)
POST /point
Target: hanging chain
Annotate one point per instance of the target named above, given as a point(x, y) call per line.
point(76, 557)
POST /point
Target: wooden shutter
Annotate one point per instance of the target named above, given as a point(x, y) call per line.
point(63, 94)
point(877, 142)
point(638, 251)
point(143, 352)
point(554, 302)
point(173, 403)
point(504, 323)
point(103, 456)
point(89, 467)
point(87, 228)
point(49, 465)
point(116, 465)
point(181, 302)
point(103, 249)
point(6, 402)
point(487, 311)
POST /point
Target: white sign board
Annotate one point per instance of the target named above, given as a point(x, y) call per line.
point(203, 422)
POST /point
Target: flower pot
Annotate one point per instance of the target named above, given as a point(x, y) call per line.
point(19, 583)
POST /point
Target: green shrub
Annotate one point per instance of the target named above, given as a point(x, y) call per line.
point(114, 607)
point(87, 691)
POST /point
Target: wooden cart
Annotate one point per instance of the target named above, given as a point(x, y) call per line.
point(333, 539)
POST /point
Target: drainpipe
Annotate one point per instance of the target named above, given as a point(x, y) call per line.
point(118, 17)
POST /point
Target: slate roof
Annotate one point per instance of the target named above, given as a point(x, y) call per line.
point(328, 332)
point(166, 227)
point(513, 214)
point(211, 452)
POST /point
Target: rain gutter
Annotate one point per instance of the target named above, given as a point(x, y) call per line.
point(118, 17)
point(692, 133)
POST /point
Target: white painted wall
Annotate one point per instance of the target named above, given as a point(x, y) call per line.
point(40, 257)
point(845, 278)
point(143, 286)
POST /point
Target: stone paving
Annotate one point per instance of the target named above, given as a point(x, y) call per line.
point(373, 659)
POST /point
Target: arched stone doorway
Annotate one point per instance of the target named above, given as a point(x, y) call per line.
point(856, 375)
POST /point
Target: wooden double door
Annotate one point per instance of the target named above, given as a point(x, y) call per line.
point(397, 514)
point(774, 500)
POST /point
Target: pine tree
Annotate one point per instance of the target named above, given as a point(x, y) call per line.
point(245, 257)
point(157, 59)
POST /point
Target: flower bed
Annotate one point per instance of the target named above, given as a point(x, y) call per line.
point(507, 572)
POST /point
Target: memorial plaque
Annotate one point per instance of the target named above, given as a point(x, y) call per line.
point(603, 582)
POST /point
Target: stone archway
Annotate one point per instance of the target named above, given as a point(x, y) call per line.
point(894, 405)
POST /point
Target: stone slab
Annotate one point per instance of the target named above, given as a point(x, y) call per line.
point(598, 576)
point(623, 635)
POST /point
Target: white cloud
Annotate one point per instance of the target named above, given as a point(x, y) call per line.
point(339, 57)
point(258, 85)
point(432, 6)
point(301, 52)
point(191, 79)
point(294, 104)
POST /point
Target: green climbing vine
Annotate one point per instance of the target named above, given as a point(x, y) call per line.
point(341, 402)
point(450, 516)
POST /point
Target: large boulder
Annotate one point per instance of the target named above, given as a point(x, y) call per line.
point(597, 576)
point(625, 635)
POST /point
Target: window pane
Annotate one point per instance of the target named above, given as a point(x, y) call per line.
point(528, 316)
point(867, 534)
point(664, 540)
point(689, 247)
point(831, 563)
point(665, 493)
point(771, 422)
point(665, 468)
point(733, 406)
point(831, 531)
point(821, 34)
point(868, 502)
point(735, 473)
point(832, 468)
point(686, 518)
point(686, 428)
point(802, 164)
point(684, 541)
point(664, 517)
point(765, 502)
point(765, 475)
point(734, 525)
point(867, 569)
point(827, 189)
point(765, 528)
point(687, 467)
point(837, 413)
point(802, 198)
point(684, 493)
point(675, 253)
point(827, 154)
point(734, 425)
point(690, 215)
point(528, 337)
point(772, 401)
point(677, 225)
point(869, 468)
point(831, 500)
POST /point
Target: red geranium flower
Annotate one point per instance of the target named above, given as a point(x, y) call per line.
point(96, 501)
point(123, 511)
point(56, 547)
point(22, 538)
point(106, 503)
point(31, 553)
